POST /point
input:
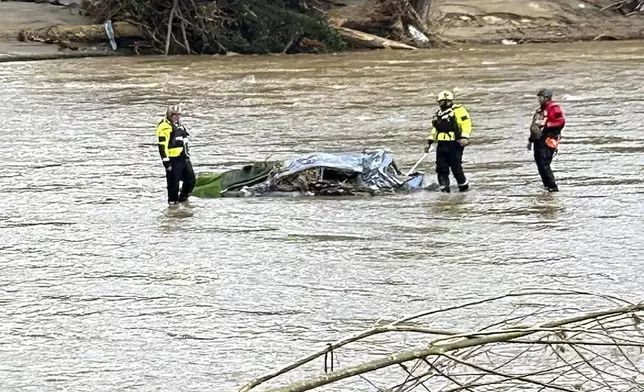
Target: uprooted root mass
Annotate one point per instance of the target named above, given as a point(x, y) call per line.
point(222, 26)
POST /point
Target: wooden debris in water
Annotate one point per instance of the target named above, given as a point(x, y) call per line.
point(371, 41)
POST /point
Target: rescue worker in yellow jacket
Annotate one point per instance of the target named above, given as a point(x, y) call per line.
point(451, 130)
point(172, 138)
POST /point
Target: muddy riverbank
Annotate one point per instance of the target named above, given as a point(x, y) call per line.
point(460, 22)
point(16, 16)
point(470, 21)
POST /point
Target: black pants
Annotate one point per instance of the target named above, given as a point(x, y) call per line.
point(449, 155)
point(181, 171)
point(543, 157)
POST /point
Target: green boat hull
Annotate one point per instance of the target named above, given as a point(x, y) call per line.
point(213, 185)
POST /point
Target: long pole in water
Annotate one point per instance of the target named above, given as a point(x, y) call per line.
point(422, 157)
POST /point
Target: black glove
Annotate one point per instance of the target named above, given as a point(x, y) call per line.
point(429, 145)
point(167, 165)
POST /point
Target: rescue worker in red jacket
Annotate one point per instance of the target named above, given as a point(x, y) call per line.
point(451, 130)
point(545, 133)
point(172, 138)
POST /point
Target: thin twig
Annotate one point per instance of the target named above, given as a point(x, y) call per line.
point(635, 370)
point(452, 379)
point(504, 380)
point(477, 334)
point(520, 378)
point(410, 374)
point(183, 32)
point(554, 350)
point(574, 343)
point(170, 18)
point(617, 3)
point(509, 295)
point(618, 347)
point(502, 365)
point(599, 372)
point(290, 43)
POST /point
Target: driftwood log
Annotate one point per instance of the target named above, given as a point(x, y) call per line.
point(54, 56)
point(371, 41)
point(79, 33)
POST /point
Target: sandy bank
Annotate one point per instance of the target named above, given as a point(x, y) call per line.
point(16, 15)
point(501, 21)
point(491, 21)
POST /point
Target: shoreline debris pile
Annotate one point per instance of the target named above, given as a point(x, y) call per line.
point(223, 26)
point(244, 26)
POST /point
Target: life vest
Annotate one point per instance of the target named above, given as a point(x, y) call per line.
point(178, 145)
point(446, 124)
point(173, 140)
point(444, 121)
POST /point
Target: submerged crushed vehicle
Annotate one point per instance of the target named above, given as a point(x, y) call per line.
point(372, 172)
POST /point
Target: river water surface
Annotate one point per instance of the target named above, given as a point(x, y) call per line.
point(104, 288)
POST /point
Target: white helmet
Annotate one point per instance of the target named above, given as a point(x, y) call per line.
point(175, 109)
point(445, 96)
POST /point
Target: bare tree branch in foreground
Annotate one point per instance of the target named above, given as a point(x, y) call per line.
point(541, 346)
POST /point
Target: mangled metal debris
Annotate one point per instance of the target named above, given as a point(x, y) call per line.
point(371, 172)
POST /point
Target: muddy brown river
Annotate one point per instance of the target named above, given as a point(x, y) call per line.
point(104, 288)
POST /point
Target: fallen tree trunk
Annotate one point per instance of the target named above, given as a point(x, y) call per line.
point(591, 345)
point(54, 56)
point(367, 40)
point(80, 33)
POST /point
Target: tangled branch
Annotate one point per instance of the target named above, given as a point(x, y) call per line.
point(598, 350)
point(222, 26)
